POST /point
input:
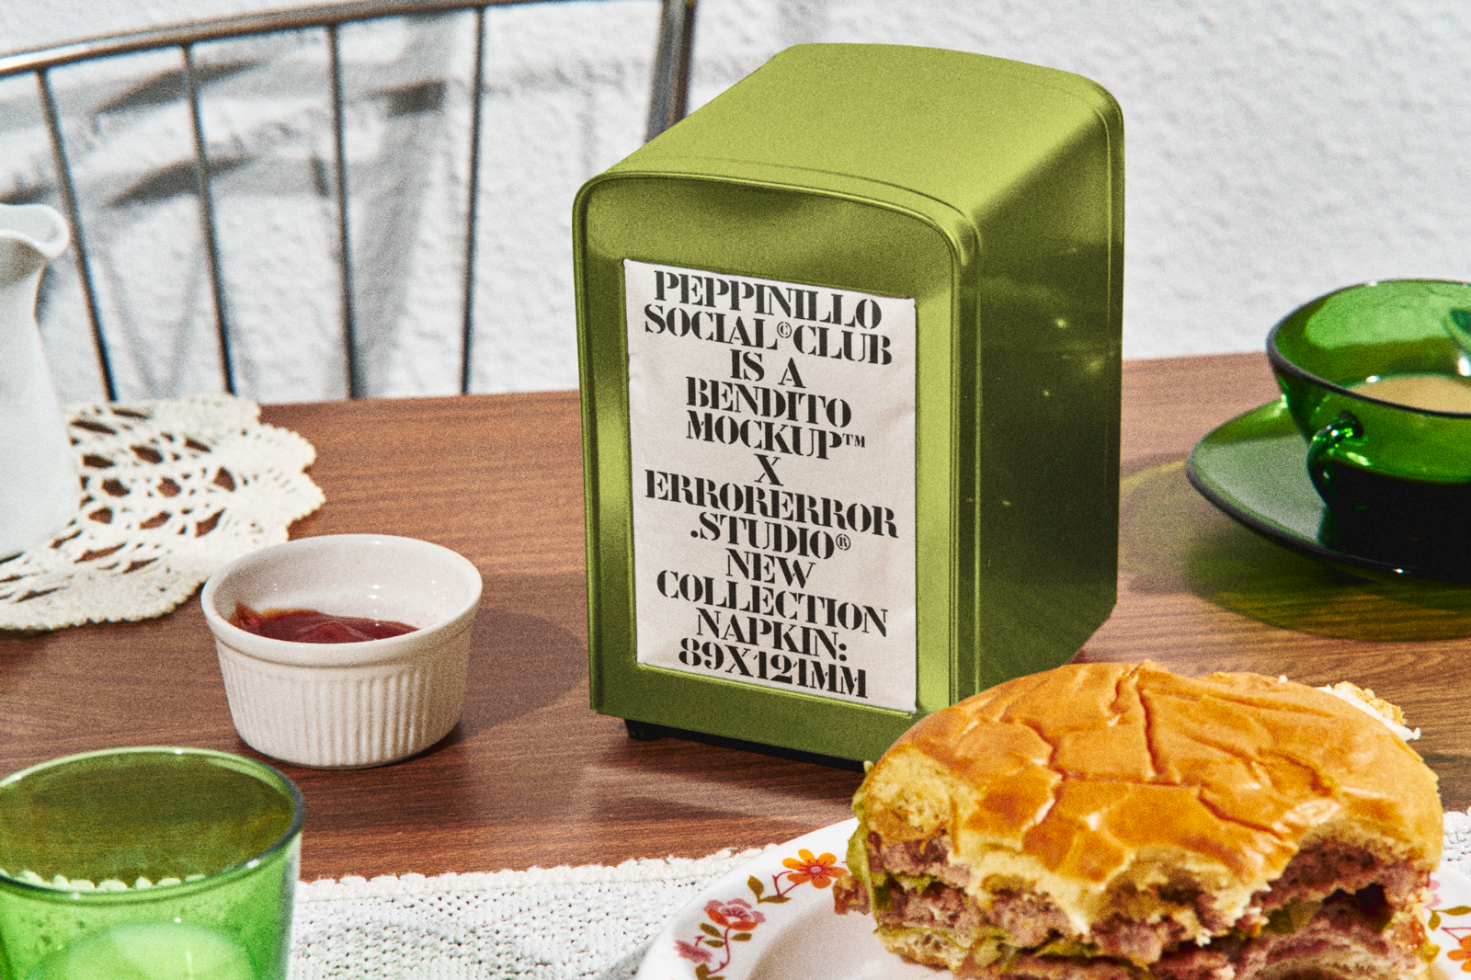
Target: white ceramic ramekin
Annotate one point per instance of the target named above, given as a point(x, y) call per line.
point(347, 705)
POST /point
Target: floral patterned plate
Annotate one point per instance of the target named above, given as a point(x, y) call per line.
point(1450, 922)
point(773, 919)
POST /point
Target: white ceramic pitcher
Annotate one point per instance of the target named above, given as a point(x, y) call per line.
point(39, 491)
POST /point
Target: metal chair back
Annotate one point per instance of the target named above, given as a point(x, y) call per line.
point(666, 105)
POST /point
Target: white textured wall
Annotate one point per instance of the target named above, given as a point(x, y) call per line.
point(1276, 149)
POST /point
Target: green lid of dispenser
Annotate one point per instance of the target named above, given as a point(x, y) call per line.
point(850, 350)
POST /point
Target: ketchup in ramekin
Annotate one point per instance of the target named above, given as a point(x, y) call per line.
point(310, 626)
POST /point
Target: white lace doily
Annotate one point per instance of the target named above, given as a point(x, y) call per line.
point(170, 491)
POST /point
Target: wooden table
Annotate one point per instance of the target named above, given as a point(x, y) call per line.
point(533, 777)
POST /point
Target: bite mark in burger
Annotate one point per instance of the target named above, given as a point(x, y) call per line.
point(1118, 822)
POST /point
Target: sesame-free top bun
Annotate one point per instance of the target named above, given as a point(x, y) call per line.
point(1116, 793)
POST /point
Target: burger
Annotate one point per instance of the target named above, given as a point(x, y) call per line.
point(1119, 822)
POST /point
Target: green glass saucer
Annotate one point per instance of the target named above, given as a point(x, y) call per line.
point(1254, 468)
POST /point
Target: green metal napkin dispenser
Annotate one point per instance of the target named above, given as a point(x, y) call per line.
point(849, 349)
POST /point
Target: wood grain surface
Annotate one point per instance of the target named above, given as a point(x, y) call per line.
point(532, 776)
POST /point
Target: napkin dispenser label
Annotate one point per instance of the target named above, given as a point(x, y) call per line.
point(849, 348)
point(771, 432)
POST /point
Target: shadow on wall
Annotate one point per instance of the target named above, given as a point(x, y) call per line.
point(565, 96)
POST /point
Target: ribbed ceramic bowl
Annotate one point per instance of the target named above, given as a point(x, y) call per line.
point(347, 705)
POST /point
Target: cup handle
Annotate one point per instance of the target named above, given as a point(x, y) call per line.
point(1324, 449)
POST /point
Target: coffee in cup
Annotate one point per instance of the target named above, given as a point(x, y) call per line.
point(1436, 392)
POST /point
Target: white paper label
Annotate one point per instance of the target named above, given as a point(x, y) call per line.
point(772, 435)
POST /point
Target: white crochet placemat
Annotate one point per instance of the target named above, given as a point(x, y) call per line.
point(548, 924)
point(591, 923)
point(170, 491)
point(1457, 851)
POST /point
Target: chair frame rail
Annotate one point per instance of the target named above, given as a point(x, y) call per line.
point(670, 85)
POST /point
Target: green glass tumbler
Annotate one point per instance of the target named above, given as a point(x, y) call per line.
point(148, 863)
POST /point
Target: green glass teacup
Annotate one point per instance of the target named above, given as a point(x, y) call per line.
point(1378, 385)
point(148, 864)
